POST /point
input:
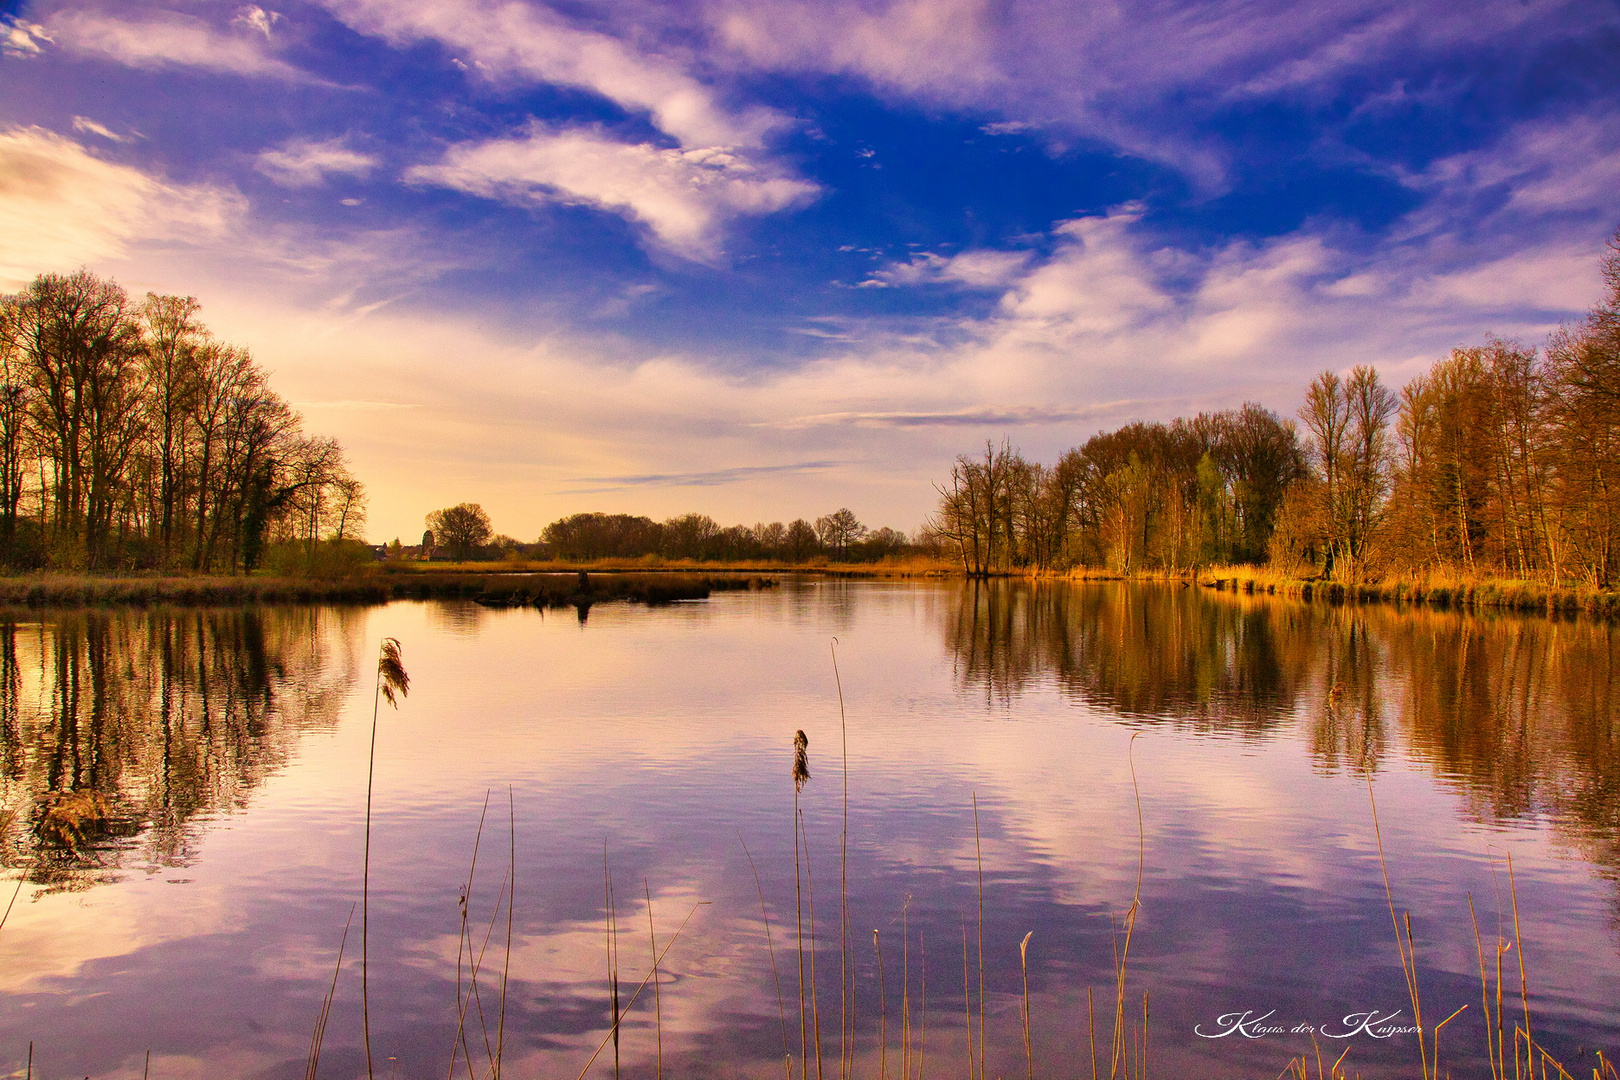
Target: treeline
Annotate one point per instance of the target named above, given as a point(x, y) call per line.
point(132, 438)
point(837, 537)
point(1501, 460)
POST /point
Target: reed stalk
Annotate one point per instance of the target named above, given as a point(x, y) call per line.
point(14, 892)
point(658, 994)
point(465, 940)
point(905, 988)
point(883, 1012)
point(1120, 1055)
point(978, 852)
point(1023, 963)
point(846, 989)
point(391, 679)
point(781, 1009)
point(967, 1001)
point(1493, 1038)
point(612, 957)
point(1091, 1024)
point(801, 775)
point(810, 905)
point(1408, 961)
point(511, 903)
point(1518, 937)
point(318, 1036)
point(478, 965)
point(657, 961)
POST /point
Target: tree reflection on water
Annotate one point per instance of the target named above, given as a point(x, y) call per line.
point(1520, 713)
point(121, 731)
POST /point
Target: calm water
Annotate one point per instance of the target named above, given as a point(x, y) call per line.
point(183, 801)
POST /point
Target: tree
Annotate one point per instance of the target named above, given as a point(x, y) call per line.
point(130, 437)
point(801, 540)
point(839, 531)
point(462, 529)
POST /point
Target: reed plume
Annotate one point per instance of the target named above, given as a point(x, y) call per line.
point(393, 682)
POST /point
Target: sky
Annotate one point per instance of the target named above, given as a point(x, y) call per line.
point(766, 259)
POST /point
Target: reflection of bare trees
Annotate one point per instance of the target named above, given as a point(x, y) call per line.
point(1142, 652)
point(1521, 712)
point(119, 730)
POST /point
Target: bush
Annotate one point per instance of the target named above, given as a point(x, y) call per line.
point(329, 559)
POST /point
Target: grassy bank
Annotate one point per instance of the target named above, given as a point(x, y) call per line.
point(1441, 591)
point(491, 589)
point(909, 567)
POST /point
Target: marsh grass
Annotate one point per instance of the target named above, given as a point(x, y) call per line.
point(504, 588)
point(1434, 589)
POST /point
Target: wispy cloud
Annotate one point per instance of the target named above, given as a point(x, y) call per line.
point(976, 269)
point(20, 38)
point(1029, 416)
point(530, 42)
point(711, 478)
point(307, 163)
point(682, 196)
point(61, 206)
point(168, 40)
point(352, 405)
point(91, 127)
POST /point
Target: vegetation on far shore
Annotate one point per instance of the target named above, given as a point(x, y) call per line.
point(1494, 478)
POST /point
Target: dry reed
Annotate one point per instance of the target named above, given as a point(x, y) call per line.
point(392, 680)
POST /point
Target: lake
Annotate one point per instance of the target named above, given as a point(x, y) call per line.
point(184, 797)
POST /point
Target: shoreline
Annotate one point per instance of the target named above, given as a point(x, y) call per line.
point(557, 584)
point(1443, 593)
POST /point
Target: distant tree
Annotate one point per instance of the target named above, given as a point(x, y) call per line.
point(590, 536)
point(801, 541)
point(462, 529)
point(690, 536)
point(772, 539)
point(839, 531)
point(880, 543)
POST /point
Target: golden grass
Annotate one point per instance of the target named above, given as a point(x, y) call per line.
point(1441, 590)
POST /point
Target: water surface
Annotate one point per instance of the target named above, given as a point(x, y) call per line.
point(184, 794)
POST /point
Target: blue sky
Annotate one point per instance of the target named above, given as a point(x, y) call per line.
point(767, 259)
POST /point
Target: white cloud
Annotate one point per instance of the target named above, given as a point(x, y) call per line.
point(977, 269)
point(1136, 74)
point(911, 44)
point(307, 163)
point(91, 127)
point(61, 206)
point(257, 19)
point(1536, 168)
point(170, 40)
point(682, 196)
point(514, 40)
point(19, 38)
